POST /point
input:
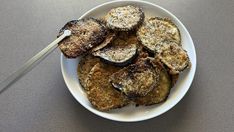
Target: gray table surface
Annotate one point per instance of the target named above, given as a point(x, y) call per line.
point(40, 100)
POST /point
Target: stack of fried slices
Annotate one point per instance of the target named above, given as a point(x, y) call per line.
point(126, 58)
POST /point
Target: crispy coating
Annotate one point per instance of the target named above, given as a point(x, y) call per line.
point(174, 57)
point(85, 65)
point(120, 52)
point(109, 38)
point(124, 58)
point(159, 93)
point(100, 92)
point(156, 32)
point(136, 79)
point(124, 18)
point(86, 33)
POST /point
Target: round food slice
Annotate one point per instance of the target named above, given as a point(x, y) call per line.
point(101, 94)
point(109, 38)
point(159, 93)
point(85, 65)
point(120, 52)
point(136, 80)
point(156, 32)
point(174, 57)
point(86, 33)
point(124, 18)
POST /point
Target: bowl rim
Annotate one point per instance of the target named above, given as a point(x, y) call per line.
point(147, 117)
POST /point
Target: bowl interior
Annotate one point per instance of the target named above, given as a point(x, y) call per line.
point(131, 113)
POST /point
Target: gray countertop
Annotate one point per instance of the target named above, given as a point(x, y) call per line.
point(40, 100)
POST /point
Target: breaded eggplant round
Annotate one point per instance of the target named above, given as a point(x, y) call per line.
point(86, 33)
point(174, 57)
point(120, 52)
point(109, 38)
point(85, 65)
point(124, 18)
point(156, 32)
point(136, 80)
point(101, 94)
point(159, 93)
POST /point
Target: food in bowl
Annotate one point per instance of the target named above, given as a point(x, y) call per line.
point(86, 33)
point(100, 92)
point(124, 18)
point(120, 52)
point(157, 32)
point(136, 80)
point(120, 69)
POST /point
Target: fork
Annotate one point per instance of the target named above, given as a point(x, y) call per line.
point(31, 63)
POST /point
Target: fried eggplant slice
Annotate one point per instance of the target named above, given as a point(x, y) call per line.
point(101, 94)
point(136, 80)
point(120, 52)
point(175, 58)
point(109, 38)
point(124, 18)
point(85, 65)
point(156, 32)
point(159, 93)
point(86, 33)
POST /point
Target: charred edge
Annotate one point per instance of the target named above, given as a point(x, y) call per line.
point(120, 64)
point(142, 17)
point(96, 39)
point(163, 69)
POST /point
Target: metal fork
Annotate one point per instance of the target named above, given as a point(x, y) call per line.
point(31, 63)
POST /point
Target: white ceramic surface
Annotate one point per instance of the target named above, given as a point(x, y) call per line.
point(132, 113)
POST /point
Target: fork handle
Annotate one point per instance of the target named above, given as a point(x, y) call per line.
point(31, 63)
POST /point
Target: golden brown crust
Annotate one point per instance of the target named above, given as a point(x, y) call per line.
point(146, 77)
point(86, 33)
point(85, 65)
point(136, 79)
point(120, 52)
point(174, 57)
point(100, 92)
point(159, 93)
point(156, 32)
point(124, 18)
point(109, 38)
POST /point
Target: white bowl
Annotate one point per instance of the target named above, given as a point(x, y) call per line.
point(131, 113)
